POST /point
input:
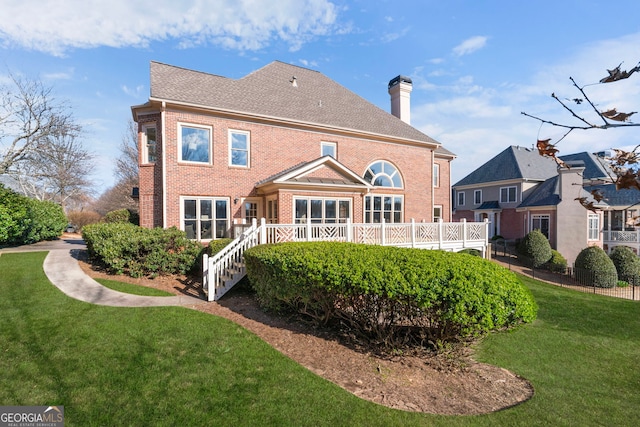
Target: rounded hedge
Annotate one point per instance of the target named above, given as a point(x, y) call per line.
point(137, 251)
point(391, 295)
point(535, 249)
point(594, 268)
point(627, 264)
point(557, 263)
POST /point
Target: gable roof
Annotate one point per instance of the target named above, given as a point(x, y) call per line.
point(303, 175)
point(514, 162)
point(283, 92)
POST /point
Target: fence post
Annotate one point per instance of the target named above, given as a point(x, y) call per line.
point(440, 232)
point(263, 231)
point(413, 233)
point(349, 230)
point(382, 232)
point(308, 226)
point(464, 233)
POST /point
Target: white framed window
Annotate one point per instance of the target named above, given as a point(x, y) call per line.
point(477, 197)
point(383, 174)
point(460, 198)
point(376, 207)
point(508, 194)
point(321, 210)
point(329, 149)
point(437, 213)
point(205, 218)
point(239, 148)
point(194, 143)
point(540, 222)
point(594, 227)
point(149, 143)
point(436, 175)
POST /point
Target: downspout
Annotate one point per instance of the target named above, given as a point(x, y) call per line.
point(164, 165)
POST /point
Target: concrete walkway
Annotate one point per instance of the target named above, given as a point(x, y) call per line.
point(62, 268)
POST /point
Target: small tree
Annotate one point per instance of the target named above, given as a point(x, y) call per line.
point(535, 249)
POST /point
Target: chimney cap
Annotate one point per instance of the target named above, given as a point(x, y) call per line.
point(399, 79)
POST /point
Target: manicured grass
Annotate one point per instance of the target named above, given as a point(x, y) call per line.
point(130, 288)
point(174, 366)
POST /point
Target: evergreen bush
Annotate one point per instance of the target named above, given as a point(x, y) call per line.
point(627, 264)
point(594, 268)
point(24, 220)
point(120, 215)
point(534, 249)
point(392, 296)
point(557, 263)
point(125, 248)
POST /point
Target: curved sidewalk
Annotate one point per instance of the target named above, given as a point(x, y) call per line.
point(63, 270)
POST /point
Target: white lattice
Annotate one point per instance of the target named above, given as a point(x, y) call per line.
point(427, 233)
point(452, 232)
point(475, 231)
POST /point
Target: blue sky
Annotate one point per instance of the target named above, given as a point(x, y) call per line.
point(475, 65)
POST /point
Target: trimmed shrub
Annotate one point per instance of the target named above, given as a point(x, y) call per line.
point(534, 249)
point(557, 263)
point(393, 297)
point(129, 249)
point(594, 268)
point(472, 252)
point(24, 220)
point(627, 264)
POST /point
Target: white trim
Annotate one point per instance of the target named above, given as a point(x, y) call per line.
point(213, 218)
point(163, 119)
point(383, 173)
point(323, 199)
point(474, 197)
point(333, 145)
point(507, 188)
point(208, 128)
point(230, 148)
point(436, 174)
point(145, 143)
point(257, 201)
point(464, 199)
point(372, 210)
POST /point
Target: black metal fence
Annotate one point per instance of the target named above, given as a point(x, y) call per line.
point(596, 282)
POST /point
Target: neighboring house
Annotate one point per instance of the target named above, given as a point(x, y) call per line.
point(519, 191)
point(283, 143)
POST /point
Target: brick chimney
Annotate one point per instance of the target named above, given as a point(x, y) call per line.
point(400, 91)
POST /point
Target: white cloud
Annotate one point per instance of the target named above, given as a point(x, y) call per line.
point(244, 25)
point(470, 45)
point(133, 92)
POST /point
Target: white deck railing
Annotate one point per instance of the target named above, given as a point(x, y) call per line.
point(629, 238)
point(226, 268)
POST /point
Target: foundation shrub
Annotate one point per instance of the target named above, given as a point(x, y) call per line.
point(594, 268)
point(125, 248)
point(392, 297)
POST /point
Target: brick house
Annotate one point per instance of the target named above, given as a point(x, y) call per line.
point(518, 191)
point(283, 143)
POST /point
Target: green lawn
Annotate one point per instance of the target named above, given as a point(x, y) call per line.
point(173, 366)
point(130, 288)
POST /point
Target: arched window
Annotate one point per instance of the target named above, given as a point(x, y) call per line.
point(383, 174)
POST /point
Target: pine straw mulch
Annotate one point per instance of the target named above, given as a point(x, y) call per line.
point(450, 383)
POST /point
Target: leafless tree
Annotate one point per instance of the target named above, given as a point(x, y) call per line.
point(127, 163)
point(29, 115)
point(57, 169)
point(588, 116)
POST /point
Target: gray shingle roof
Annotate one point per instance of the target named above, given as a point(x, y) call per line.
point(616, 198)
point(545, 194)
point(595, 167)
point(270, 92)
point(513, 163)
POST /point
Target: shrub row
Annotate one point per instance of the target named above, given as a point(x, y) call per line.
point(394, 297)
point(24, 220)
point(125, 248)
